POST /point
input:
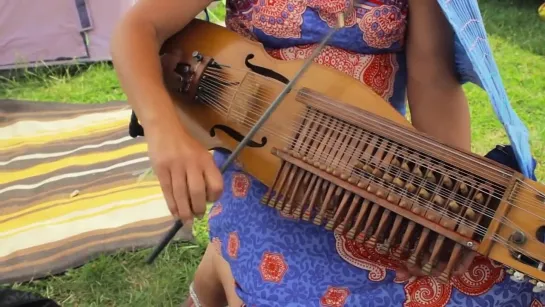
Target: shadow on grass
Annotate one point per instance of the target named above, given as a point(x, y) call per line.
point(515, 21)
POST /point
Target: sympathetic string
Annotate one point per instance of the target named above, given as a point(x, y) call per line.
point(214, 93)
point(263, 99)
point(294, 124)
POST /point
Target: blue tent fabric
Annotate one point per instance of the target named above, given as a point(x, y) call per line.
point(476, 64)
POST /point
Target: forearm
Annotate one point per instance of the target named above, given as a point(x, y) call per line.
point(441, 110)
point(135, 50)
point(436, 99)
point(135, 47)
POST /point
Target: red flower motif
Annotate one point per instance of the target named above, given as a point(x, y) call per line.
point(481, 276)
point(273, 267)
point(328, 10)
point(233, 244)
point(375, 71)
point(427, 291)
point(536, 303)
point(279, 18)
point(240, 185)
point(241, 25)
point(383, 25)
point(362, 257)
point(216, 209)
point(379, 74)
point(334, 297)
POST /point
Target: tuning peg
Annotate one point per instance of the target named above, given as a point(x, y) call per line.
point(539, 287)
point(517, 277)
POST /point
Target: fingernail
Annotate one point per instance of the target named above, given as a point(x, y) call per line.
point(200, 216)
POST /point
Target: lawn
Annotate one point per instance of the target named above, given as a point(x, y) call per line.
point(517, 37)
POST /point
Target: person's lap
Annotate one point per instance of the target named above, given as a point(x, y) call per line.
point(277, 261)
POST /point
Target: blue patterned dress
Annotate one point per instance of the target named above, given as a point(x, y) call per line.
point(277, 261)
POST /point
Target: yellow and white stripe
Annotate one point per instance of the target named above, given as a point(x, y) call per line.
point(43, 159)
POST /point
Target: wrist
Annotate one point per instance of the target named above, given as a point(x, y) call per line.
point(161, 121)
point(153, 107)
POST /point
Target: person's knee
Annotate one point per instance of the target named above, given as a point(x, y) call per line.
point(207, 287)
point(214, 281)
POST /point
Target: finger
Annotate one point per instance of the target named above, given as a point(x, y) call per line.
point(439, 268)
point(467, 260)
point(197, 190)
point(214, 182)
point(415, 271)
point(181, 196)
point(402, 274)
point(163, 175)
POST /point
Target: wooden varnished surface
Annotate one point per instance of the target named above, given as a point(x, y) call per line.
point(230, 48)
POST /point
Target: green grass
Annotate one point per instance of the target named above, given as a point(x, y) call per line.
point(517, 37)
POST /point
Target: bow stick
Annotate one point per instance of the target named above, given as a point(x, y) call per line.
point(178, 224)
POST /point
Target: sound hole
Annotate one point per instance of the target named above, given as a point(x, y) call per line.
point(264, 71)
point(237, 135)
point(540, 234)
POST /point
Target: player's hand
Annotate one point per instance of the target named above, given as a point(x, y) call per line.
point(187, 173)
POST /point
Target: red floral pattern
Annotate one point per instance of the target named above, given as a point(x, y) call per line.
point(334, 297)
point(536, 303)
point(383, 25)
point(482, 275)
point(241, 25)
point(279, 18)
point(273, 267)
point(427, 291)
point(376, 71)
point(379, 74)
point(368, 259)
point(233, 245)
point(240, 185)
point(328, 10)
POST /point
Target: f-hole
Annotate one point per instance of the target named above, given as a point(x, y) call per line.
point(237, 135)
point(264, 71)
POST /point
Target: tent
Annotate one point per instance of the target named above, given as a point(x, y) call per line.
point(34, 32)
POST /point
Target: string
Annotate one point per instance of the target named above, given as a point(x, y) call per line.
point(405, 132)
point(294, 124)
point(479, 230)
point(408, 176)
point(501, 178)
point(426, 166)
point(341, 106)
point(440, 191)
